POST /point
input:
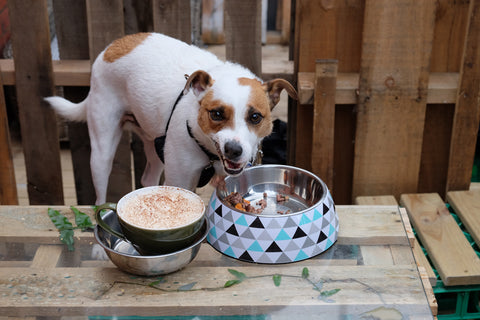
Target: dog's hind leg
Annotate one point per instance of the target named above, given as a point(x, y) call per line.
point(154, 166)
point(105, 132)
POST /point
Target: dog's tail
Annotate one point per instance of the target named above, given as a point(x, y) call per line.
point(68, 110)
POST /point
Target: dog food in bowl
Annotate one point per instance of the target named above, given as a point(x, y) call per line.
point(297, 222)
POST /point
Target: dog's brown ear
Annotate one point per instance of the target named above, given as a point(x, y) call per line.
point(274, 88)
point(199, 81)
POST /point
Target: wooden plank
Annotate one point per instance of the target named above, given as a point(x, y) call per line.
point(77, 73)
point(418, 253)
point(173, 19)
point(8, 184)
point(422, 262)
point(377, 255)
point(46, 256)
point(34, 81)
point(449, 35)
point(402, 255)
point(432, 301)
point(105, 24)
point(324, 120)
point(397, 41)
point(376, 200)
point(370, 225)
point(72, 34)
point(362, 225)
point(455, 260)
point(467, 206)
point(99, 291)
point(442, 88)
point(408, 226)
point(467, 111)
point(328, 30)
point(243, 36)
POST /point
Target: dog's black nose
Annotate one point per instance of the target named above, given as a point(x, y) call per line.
point(233, 150)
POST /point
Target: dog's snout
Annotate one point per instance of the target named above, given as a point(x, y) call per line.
point(233, 150)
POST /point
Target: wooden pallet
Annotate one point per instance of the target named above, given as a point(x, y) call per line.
point(405, 121)
point(371, 264)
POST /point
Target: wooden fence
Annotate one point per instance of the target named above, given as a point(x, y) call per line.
point(84, 28)
point(397, 110)
point(388, 89)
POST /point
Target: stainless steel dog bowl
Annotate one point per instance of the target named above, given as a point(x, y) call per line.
point(126, 258)
point(297, 229)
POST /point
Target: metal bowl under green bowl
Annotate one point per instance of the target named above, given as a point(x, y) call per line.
point(128, 259)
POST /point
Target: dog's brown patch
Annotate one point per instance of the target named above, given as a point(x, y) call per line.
point(208, 105)
point(123, 46)
point(258, 101)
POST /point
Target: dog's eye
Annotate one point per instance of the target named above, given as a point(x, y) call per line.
point(216, 115)
point(255, 118)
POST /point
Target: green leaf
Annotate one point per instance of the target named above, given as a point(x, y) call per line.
point(239, 275)
point(230, 283)
point(277, 279)
point(305, 273)
point(328, 293)
point(82, 220)
point(66, 236)
point(59, 220)
point(187, 287)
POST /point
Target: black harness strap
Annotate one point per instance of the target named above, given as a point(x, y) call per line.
point(160, 141)
point(208, 171)
point(211, 156)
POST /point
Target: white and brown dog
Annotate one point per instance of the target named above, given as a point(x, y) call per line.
point(185, 103)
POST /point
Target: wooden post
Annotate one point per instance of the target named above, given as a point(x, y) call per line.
point(467, 109)
point(397, 40)
point(173, 19)
point(72, 35)
point(105, 24)
point(324, 120)
point(243, 33)
point(34, 81)
point(8, 184)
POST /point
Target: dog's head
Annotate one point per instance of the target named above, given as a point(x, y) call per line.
point(235, 113)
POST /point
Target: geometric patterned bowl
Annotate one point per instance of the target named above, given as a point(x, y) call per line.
point(310, 227)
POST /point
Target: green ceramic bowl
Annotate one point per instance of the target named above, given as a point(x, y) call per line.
point(155, 240)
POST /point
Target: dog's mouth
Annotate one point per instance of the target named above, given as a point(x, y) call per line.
point(230, 167)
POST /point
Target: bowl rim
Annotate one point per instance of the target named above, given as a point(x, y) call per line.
point(196, 243)
point(145, 189)
point(284, 166)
